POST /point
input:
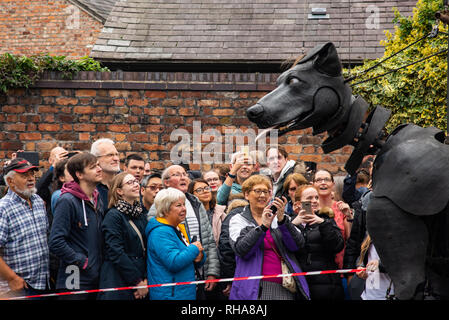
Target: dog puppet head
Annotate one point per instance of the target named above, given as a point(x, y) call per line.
point(310, 94)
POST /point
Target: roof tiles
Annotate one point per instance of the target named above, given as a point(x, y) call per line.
point(242, 30)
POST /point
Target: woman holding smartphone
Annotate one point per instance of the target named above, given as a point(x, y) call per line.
point(264, 241)
point(323, 240)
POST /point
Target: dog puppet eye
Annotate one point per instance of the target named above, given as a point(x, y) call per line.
point(293, 81)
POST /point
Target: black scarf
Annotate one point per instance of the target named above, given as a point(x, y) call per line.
point(131, 210)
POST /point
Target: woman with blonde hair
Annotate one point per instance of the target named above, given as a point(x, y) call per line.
point(124, 239)
point(291, 184)
point(338, 188)
point(378, 285)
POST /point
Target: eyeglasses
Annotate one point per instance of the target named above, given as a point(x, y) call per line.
point(259, 192)
point(201, 190)
point(292, 189)
point(319, 180)
point(155, 187)
point(109, 155)
point(131, 182)
point(179, 175)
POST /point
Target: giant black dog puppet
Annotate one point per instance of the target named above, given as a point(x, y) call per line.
point(407, 217)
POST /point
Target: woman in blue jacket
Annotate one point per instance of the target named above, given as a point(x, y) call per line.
point(123, 231)
point(171, 257)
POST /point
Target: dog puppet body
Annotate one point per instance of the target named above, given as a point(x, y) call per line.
point(407, 216)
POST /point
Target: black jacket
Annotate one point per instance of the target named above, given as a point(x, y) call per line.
point(225, 252)
point(323, 242)
point(124, 258)
point(43, 187)
point(358, 234)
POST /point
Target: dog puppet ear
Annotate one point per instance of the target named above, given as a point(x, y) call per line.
point(325, 59)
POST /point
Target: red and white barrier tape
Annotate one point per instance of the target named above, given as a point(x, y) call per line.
point(310, 273)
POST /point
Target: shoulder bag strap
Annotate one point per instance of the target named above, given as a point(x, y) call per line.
point(138, 233)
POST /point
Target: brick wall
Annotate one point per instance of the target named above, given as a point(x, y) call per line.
point(140, 111)
point(41, 26)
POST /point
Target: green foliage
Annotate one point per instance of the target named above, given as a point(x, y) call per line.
point(22, 71)
point(416, 94)
point(17, 72)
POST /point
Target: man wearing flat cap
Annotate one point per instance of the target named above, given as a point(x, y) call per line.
point(24, 253)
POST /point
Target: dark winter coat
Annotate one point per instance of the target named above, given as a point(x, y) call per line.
point(350, 193)
point(124, 258)
point(358, 232)
point(76, 238)
point(43, 186)
point(225, 251)
point(103, 191)
point(323, 242)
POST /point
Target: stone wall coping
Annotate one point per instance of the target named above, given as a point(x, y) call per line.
point(201, 81)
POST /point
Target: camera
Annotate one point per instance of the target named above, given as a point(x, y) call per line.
point(31, 156)
point(71, 154)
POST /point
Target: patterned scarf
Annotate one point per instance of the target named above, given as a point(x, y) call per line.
point(132, 210)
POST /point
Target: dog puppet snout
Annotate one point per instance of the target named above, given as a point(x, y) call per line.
point(255, 112)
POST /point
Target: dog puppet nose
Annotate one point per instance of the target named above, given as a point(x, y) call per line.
point(255, 112)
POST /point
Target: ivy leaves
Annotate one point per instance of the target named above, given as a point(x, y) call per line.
point(22, 71)
point(416, 94)
point(16, 72)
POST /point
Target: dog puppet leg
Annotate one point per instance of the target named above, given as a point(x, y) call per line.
point(401, 241)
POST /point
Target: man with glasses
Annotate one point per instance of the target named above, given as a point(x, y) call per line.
point(109, 160)
point(197, 224)
point(149, 187)
point(241, 168)
point(76, 237)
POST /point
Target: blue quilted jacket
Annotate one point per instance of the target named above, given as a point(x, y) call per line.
point(169, 259)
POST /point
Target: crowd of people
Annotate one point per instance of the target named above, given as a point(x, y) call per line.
point(90, 223)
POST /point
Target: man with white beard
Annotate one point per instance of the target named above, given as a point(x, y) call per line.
point(24, 253)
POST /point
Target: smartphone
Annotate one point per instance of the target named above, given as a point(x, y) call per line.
point(245, 151)
point(307, 206)
point(310, 166)
point(71, 154)
point(31, 156)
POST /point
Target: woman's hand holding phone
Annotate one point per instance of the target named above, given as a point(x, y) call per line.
point(306, 215)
